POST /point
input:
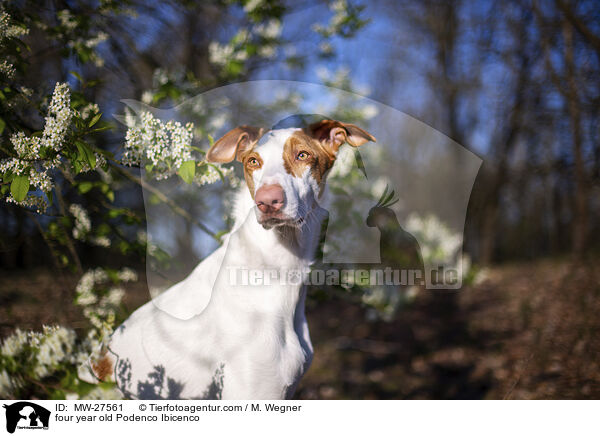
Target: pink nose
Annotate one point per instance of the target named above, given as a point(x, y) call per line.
point(269, 198)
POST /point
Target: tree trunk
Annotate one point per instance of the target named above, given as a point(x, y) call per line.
point(580, 224)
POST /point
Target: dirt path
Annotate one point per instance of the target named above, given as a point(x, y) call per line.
point(529, 331)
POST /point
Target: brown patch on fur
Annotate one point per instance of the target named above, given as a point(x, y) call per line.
point(233, 144)
point(103, 368)
point(245, 157)
point(332, 134)
point(319, 161)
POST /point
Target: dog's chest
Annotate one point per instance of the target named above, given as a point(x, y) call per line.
point(279, 359)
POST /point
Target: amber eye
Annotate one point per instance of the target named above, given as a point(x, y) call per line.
point(253, 162)
point(303, 155)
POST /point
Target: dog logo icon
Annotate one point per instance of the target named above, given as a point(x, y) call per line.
point(26, 415)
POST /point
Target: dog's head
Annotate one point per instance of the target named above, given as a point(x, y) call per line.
point(285, 169)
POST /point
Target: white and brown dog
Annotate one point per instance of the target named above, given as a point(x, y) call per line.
point(212, 337)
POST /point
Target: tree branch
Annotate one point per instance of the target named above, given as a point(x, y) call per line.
point(162, 197)
point(580, 25)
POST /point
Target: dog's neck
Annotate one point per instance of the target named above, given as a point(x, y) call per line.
point(255, 255)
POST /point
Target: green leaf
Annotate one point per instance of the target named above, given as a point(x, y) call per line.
point(50, 198)
point(123, 246)
point(111, 196)
point(76, 75)
point(20, 187)
point(154, 200)
point(101, 129)
point(221, 233)
point(103, 229)
point(211, 140)
point(86, 154)
point(85, 187)
point(2, 126)
point(76, 166)
point(187, 171)
point(91, 159)
point(8, 176)
point(106, 153)
point(113, 213)
point(234, 68)
point(95, 119)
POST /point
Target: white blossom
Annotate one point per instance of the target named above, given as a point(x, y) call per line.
point(266, 50)
point(269, 30)
point(26, 148)
point(29, 148)
point(6, 385)
point(159, 77)
point(326, 48)
point(114, 297)
point(100, 305)
point(252, 5)
point(341, 13)
point(344, 163)
point(98, 61)
point(164, 145)
point(8, 30)
point(142, 236)
point(86, 299)
point(96, 40)
point(219, 54)
point(27, 92)
point(89, 110)
point(147, 97)
point(211, 175)
point(322, 73)
point(55, 348)
point(86, 284)
point(34, 202)
point(50, 353)
point(369, 111)
point(439, 244)
point(83, 225)
point(7, 69)
point(340, 8)
point(217, 121)
point(100, 241)
point(127, 275)
point(59, 117)
point(14, 344)
point(16, 166)
point(67, 19)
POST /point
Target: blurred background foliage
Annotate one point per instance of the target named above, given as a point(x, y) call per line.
point(516, 82)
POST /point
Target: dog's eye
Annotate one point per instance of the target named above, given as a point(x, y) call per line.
point(253, 162)
point(303, 155)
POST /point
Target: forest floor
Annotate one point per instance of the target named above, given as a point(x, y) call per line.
point(528, 330)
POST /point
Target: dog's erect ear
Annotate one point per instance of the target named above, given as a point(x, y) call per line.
point(233, 143)
point(332, 134)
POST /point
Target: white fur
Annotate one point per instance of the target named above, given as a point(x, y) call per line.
point(214, 338)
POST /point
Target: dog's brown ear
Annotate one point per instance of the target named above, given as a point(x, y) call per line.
point(332, 134)
point(233, 143)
